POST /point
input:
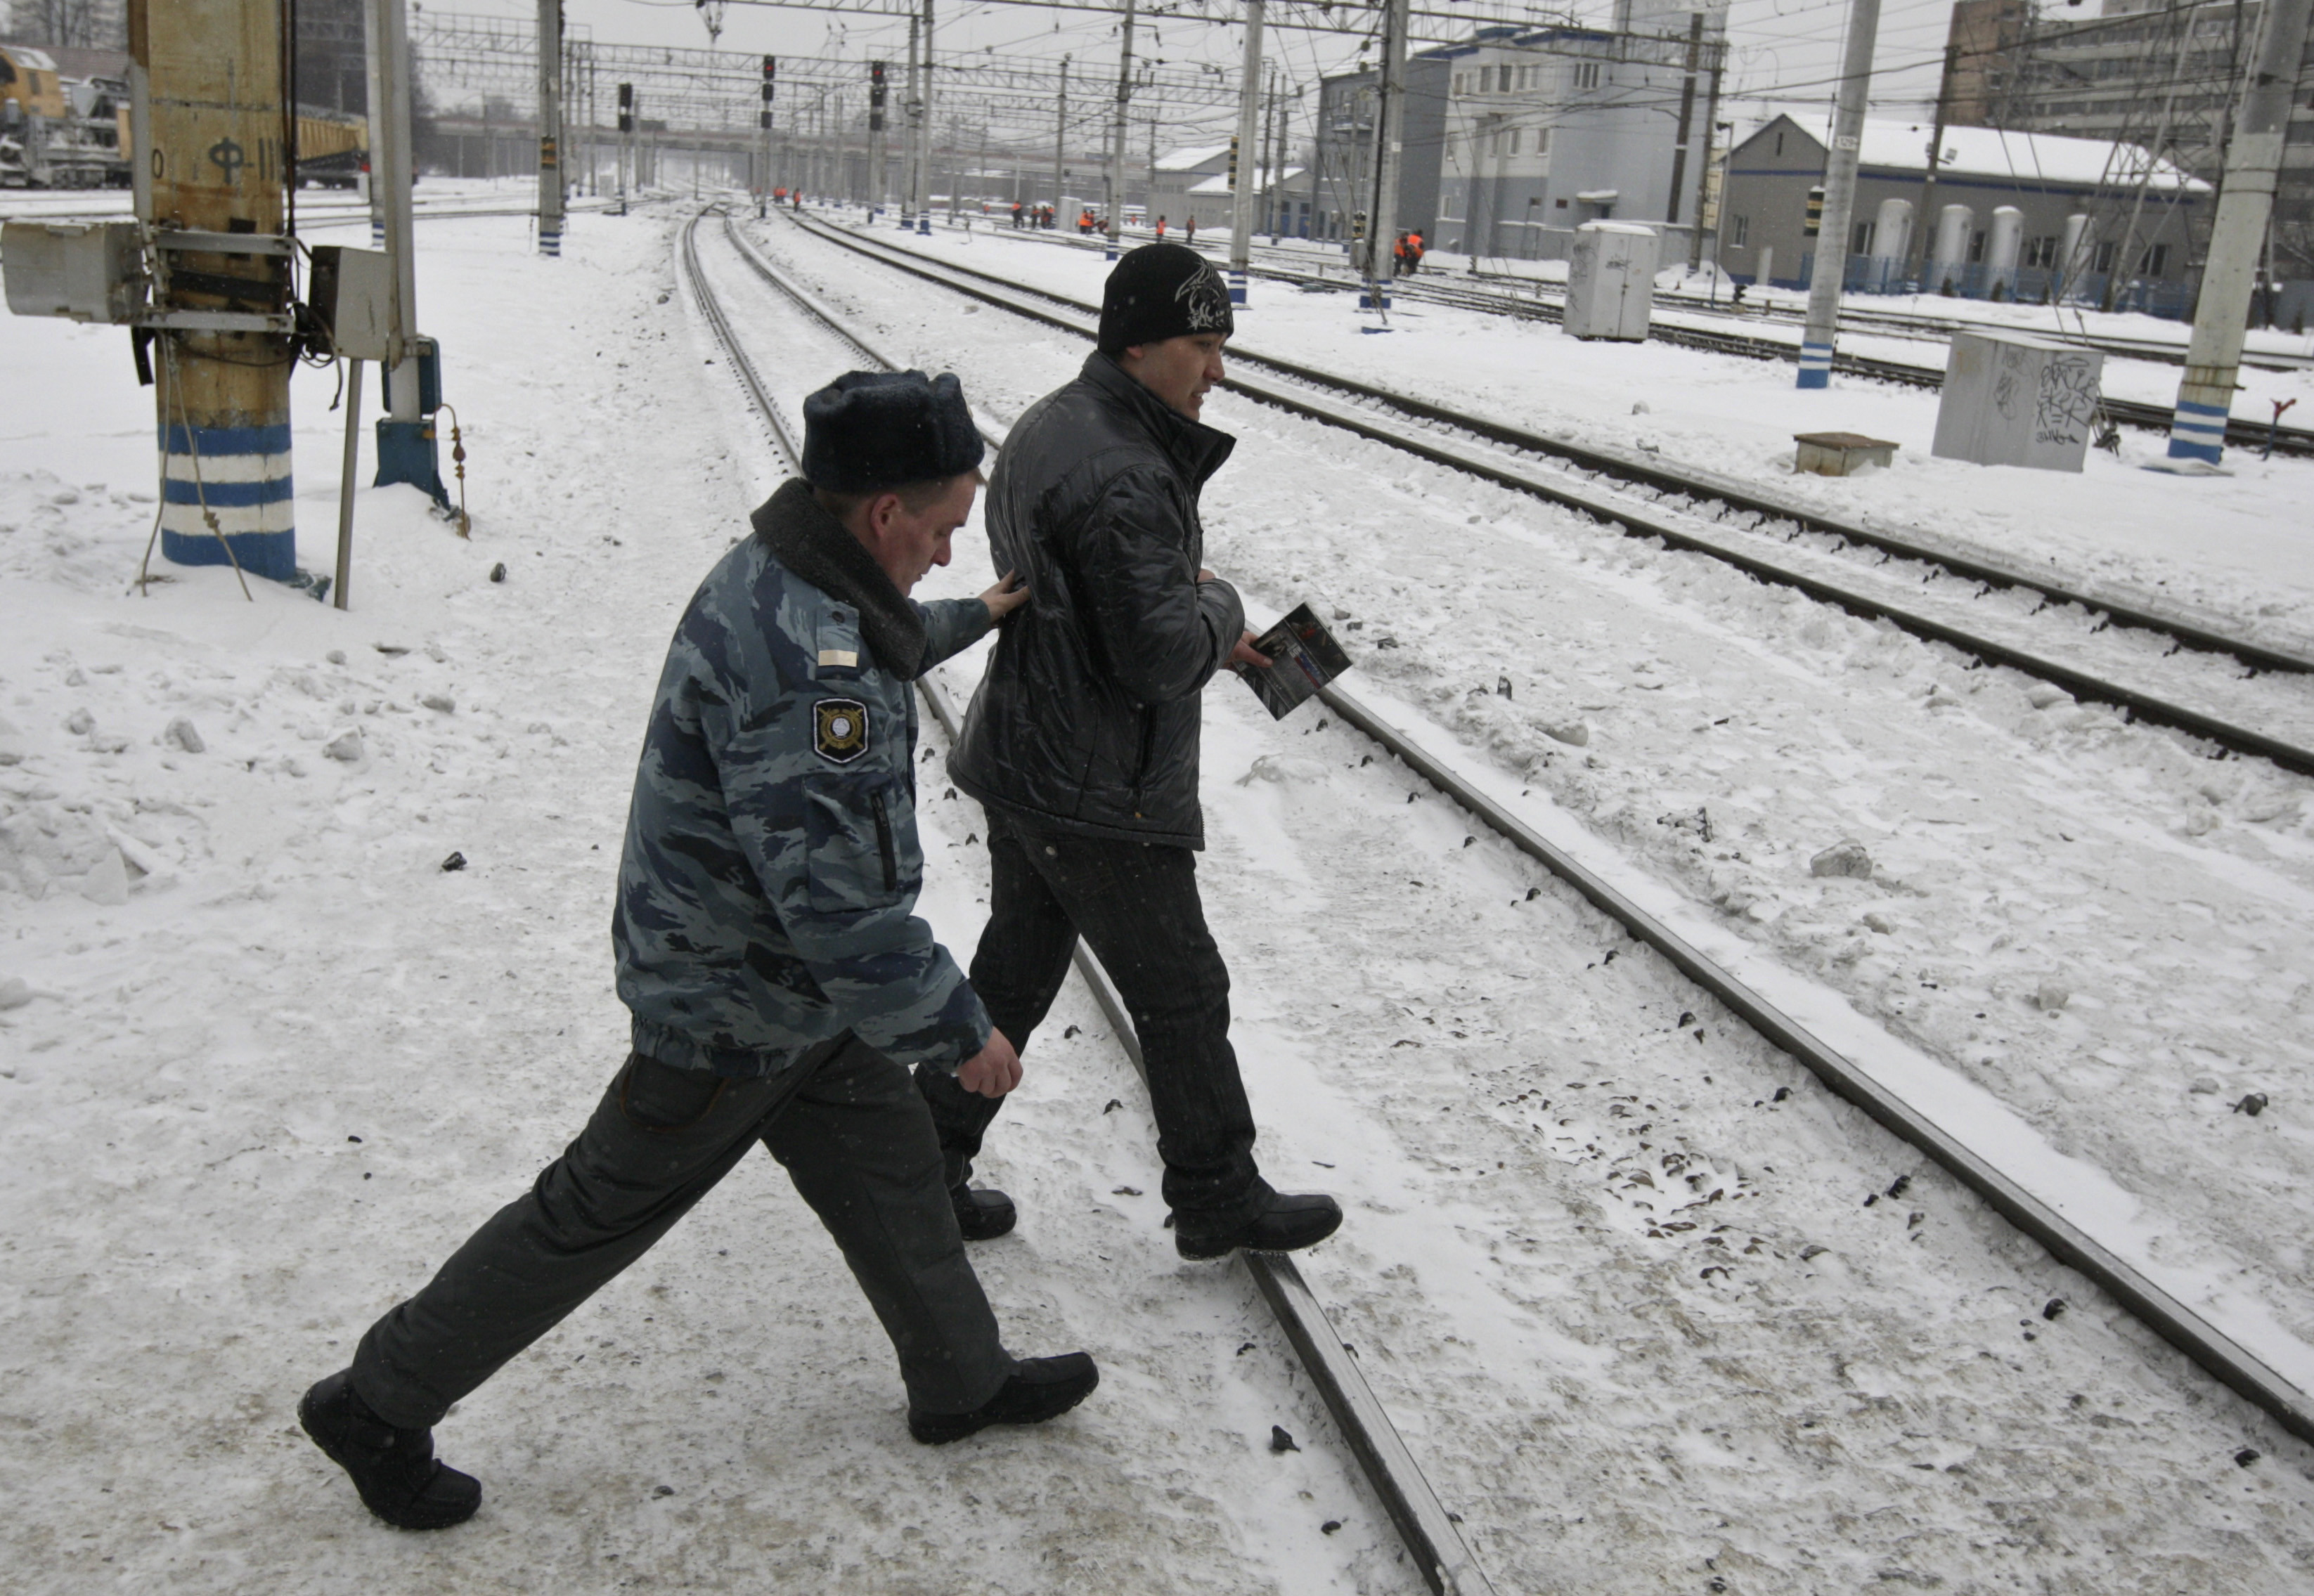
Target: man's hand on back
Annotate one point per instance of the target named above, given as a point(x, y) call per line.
point(1005, 598)
point(993, 1070)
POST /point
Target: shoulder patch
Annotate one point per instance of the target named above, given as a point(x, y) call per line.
point(839, 729)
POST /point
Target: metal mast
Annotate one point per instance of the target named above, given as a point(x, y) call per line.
point(1246, 155)
point(550, 127)
point(2221, 314)
point(1389, 149)
point(1839, 197)
point(1117, 132)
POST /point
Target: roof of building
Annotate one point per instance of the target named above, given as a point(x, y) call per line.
point(1219, 183)
point(2029, 158)
point(68, 62)
point(1192, 157)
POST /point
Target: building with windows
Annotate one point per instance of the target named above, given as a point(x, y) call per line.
point(1173, 174)
point(1549, 128)
point(1341, 180)
point(2163, 74)
point(2016, 215)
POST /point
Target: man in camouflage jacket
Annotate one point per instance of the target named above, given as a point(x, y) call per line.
point(778, 980)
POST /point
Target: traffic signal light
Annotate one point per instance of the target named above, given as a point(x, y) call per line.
point(875, 96)
point(1233, 175)
point(770, 73)
point(1814, 212)
point(626, 108)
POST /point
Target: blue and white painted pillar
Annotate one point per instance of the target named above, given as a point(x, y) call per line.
point(1237, 287)
point(1816, 364)
point(2198, 432)
point(240, 476)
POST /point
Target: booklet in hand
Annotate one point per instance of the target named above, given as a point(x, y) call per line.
point(1307, 657)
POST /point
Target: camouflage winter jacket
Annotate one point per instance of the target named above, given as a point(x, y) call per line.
point(767, 892)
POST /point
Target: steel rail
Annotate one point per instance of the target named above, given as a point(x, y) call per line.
point(2208, 1348)
point(713, 309)
point(2084, 685)
point(2241, 431)
point(1697, 486)
point(2218, 1355)
point(2203, 1343)
point(1427, 1530)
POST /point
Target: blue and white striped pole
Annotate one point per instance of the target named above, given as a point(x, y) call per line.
point(1816, 363)
point(229, 484)
point(2205, 395)
point(1830, 266)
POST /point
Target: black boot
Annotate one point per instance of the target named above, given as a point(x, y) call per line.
point(393, 1469)
point(1290, 1222)
point(981, 1215)
point(1041, 1388)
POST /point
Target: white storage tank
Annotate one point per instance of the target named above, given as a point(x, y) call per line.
point(1948, 259)
point(1611, 280)
point(2000, 249)
point(2010, 399)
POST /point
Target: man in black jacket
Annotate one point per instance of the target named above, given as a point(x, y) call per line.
point(1081, 744)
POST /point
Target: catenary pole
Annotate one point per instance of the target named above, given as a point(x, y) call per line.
point(924, 136)
point(1686, 125)
point(212, 122)
point(1246, 155)
point(1389, 149)
point(1839, 197)
point(1923, 229)
point(1117, 132)
point(550, 127)
point(2221, 311)
point(914, 111)
point(1705, 192)
point(405, 437)
point(1060, 145)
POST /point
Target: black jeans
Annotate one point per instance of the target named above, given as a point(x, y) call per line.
point(851, 1132)
point(1136, 906)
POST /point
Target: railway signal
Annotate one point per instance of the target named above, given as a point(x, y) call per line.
point(764, 131)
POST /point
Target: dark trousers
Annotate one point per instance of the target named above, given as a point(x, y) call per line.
point(851, 1132)
point(1135, 905)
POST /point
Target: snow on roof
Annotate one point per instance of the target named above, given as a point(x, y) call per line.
point(2029, 157)
point(1192, 156)
point(1219, 183)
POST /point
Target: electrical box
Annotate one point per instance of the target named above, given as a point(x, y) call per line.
point(352, 293)
point(2010, 399)
point(90, 271)
point(1611, 280)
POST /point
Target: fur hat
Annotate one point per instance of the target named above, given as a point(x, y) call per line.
point(869, 430)
point(1161, 291)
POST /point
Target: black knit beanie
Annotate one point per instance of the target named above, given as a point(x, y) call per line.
point(1161, 291)
point(869, 430)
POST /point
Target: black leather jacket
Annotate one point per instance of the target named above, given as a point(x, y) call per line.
point(1087, 721)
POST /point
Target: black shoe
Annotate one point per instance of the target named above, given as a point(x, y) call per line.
point(1041, 1388)
point(393, 1469)
point(981, 1215)
point(1290, 1222)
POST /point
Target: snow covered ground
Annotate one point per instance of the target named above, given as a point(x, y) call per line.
point(1653, 1309)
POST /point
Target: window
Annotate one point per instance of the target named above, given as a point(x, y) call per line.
point(1502, 79)
point(1460, 86)
point(1587, 75)
point(1976, 248)
point(1780, 141)
point(2153, 262)
point(1739, 233)
point(2041, 253)
point(1860, 239)
point(2106, 252)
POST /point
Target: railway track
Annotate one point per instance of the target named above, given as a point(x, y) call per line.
point(2241, 432)
point(1871, 1084)
point(1423, 1523)
point(1699, 514)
